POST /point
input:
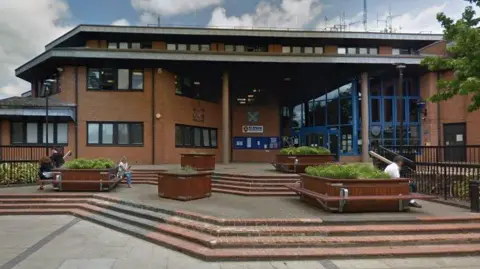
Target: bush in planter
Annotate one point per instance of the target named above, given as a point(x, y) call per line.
point(347, 171)
point(304, 150)
point(18, 173)
point(90, 164)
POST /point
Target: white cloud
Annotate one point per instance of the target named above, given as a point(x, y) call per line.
point(25, 28)
point(121, 22)
point(289, 14)
point(150, 9)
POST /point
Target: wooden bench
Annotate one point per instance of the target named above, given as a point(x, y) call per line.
point(105, 182)
point(324, 200)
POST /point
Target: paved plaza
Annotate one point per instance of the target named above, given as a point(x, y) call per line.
point(65, 242)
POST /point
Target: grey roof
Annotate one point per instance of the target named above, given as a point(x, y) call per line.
point(39, 112)
point(22, 102)
point(269, 32)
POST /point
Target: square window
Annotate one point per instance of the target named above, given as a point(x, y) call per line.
point(112, 45)
point(297, 49)
point(194, 47)
point(341, 51)
point(308, 49)
point(123, 79)
point(171, 47)
point(205, 47)
point(229, 48)
point(373, 51)
point(123, 45)
point(182, 47)
point(352, 51)
point(93, 133)
point(107, 133)
point(395, 51)
point(136, 46)
point(360, 51)
point(286, 49)
point(318, 50)
point(240, 48)
point(137, 80)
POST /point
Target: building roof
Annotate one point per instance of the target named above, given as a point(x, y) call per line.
point(32, 102)
point(256, 32)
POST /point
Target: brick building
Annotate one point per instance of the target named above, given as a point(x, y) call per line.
point(151, 93)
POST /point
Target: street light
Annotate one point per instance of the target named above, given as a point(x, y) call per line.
point(48, 84)
point(401, 112)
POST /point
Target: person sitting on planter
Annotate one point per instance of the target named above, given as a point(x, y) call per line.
point(393, 170)
point(124, 170)
point(57, 158)
point(45, 172)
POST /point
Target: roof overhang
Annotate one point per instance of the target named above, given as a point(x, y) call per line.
point(155, 55)
point(67, 112)
point(215, 32)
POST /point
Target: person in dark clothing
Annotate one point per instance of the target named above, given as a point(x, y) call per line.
point(45, 170)
point(57, 158)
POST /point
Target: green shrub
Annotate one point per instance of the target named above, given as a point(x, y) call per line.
point(18, 173)
point(305, 151)
point(347, 171)
point(100, 163)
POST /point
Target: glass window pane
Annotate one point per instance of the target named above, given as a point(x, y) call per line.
point(93, 131)
point(375, 110)
point(197, 137)
point(413, 110)
point(320, 105)
point(137, 80)
point(346, 139)
point(388, 132)
point(297, 49)
point(361, 51)
point(136, 130)
point(93, 79)
point(332, 112)
point(373, 51)
point(136, 45)
point(285, 49)
point(187, 136)
point(182, 47)
point(50, 133)
point(107, 133)
point(346, 111)
point(240, 48)
point(205, 47)
point(17, 132)
point(229, 48)
point(123, 45)
point(341, 50)
point(206, 137)
point(395, 51)
point(112, 45)
point(297, 116)
point(388, 110)
point(178, 135)
point(346, 90)
point(213, 137)
point(107, 77)
point(310, 121)
point(122, 130)
point(308, 49)
point(32, 132)
point(171, 46)
point(123, 79)
point(62, 133)
point(194, 47)
point(352, 51)
point(146, 45)
point(319, 50)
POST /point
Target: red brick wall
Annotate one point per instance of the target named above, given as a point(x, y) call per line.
point(385, 50)
point(438, 48)
point(269, 118)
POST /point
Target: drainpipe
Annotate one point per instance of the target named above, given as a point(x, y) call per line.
point(76, 112)
point(153, 115)
point(439, 127)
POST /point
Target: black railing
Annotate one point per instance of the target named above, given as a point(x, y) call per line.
point(445, 171)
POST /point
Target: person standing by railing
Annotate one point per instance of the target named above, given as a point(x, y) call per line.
point(393, 170)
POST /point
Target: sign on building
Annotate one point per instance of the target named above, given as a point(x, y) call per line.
point(251, 129)
point(252, 116)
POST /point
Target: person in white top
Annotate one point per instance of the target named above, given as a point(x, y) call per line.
point(393, 170)
point(125, 169)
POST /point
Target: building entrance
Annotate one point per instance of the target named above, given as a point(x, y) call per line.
point(320, 137)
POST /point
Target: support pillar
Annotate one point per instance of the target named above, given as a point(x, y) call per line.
point(226, 118)
point(365, 117)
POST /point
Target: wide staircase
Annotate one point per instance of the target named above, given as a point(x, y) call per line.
point(253, 185)
point(216, 239)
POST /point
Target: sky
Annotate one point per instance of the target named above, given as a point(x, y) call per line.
point(26, 26)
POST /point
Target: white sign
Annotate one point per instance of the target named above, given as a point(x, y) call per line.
point(252, 129)
point(459, 137)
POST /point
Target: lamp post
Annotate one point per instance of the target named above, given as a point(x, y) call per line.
point(401, 111)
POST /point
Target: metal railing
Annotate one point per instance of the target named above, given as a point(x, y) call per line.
point(444, 171)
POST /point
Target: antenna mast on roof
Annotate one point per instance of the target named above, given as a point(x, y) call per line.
point(365, 15)
point(158, 20)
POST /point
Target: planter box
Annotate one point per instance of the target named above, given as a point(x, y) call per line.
point(288, 161)
point(86, 180)
point(358, 187)
point(198, 161)
point(184, 187)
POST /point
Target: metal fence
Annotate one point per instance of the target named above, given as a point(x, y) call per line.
point(444, 171)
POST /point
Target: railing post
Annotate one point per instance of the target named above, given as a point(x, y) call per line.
point(474, 196)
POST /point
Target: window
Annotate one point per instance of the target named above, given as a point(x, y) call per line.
point(112, 45)
point(399, 51)
point(114, 79)
point(35, 133)
point(362, 51)
point(182, 47)
point(318, 50)
point(341, 50)
point(171, 46)
point(373, 51)
point(229, 48)
point(240, 48)
point(115, 133)
point(194, 47)
point(205, 47)
point(123, 45)
point(196, 137)
point(136, 45)
point(352, 51)
point(297, 49)
point(286, 49)
point(308, 50)
point(127, 45)
point(198, 87)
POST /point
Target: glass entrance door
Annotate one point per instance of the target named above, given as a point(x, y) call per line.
point(315, 139)
point(332, 143)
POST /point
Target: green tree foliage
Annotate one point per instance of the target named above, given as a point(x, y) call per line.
point(463, 39)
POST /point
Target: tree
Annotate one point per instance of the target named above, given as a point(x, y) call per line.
point(463, 46)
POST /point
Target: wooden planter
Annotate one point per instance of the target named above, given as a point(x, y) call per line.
point(287, 162)
point(184, 187)
point(198, 161)
point(358, 187)
point(86, 180)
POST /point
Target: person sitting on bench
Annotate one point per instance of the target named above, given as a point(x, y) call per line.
point(393, 170)
point(125, 169)
point(45, 171)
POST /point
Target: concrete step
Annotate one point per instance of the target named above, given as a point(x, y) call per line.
point(258, 176)
point(248, 193)
point(248, 184)
point(249, 189)
point(257, 180)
